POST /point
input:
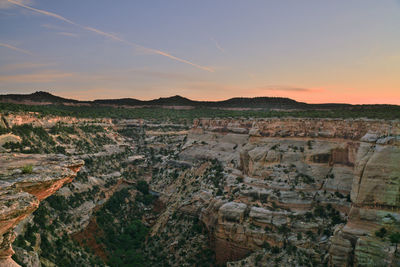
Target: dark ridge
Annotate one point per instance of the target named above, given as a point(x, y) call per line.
point(38, 96)
point(177, 100)
point(172, 101)
point(43, 98)
point(237, 102)
point(122, 101)
point(166, 101)
point(259, 102)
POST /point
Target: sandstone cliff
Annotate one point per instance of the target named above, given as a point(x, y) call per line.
point(291, 167)
point(375, 205)
point(25, 180)
point(251, 192)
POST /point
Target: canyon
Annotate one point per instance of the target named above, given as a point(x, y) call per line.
point(210, 192)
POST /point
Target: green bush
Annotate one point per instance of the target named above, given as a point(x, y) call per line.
point(3, 130)
point(143, 187)
point(27, 169)
point(381, 232)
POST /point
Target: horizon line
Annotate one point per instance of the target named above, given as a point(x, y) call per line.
point(195, 100)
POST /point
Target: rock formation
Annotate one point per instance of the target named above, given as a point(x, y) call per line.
point(298, 164)
point(375, 204)
point(25, 180)
point(255, 192)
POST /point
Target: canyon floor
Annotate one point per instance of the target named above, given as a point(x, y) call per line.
point(202, 192)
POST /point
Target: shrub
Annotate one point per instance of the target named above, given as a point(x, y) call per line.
point(60, 150)
point(309, 144)
point(395, 238)
point(266, 245)
point(381, 232)
point(319, 211)
point(143, 187)
point(4, 130)
point(27, 168)
point(299, 236)
point(275, 250)
point(283, 229)
point(310, 234)
point(57, 202)
point(239, 179)
point(258, 258)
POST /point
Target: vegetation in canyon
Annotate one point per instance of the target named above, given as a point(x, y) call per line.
point(164, 187)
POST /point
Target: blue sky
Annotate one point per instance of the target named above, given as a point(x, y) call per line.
point(309, 50)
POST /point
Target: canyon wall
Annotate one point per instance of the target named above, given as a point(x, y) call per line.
point(278, 191)
point(25, 180)
point(291, 167)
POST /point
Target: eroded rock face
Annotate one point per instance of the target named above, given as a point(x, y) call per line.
point(44, 121)
point(376, 204)
point(282, 183)
point(232, 212)
point(367, 130)
point(290, 166)
point(25, 180)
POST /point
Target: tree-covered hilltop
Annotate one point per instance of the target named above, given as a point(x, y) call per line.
point(40, 98)
point(386, 112)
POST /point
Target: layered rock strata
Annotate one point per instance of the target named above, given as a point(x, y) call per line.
point(375, 205)
point(283, 169)
point(25, 180)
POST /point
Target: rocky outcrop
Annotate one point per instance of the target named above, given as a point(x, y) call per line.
point(25, 180)
point(289, 167)
point(321, 186)
point(14, 119)
point(354, 129)
point(376, 204)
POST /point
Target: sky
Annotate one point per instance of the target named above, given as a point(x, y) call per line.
point(342, 51)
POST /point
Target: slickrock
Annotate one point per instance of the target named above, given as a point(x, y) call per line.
point(290, 166)
point(25, 180)
point(45, 121)
point(304, 127)
point(376, 204)
point(288, 191)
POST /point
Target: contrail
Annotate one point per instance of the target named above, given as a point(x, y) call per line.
point(151, 50)
point(43, 12)
point(105, 34)
point(181, 60)
point(111, 36)
point(16, 49)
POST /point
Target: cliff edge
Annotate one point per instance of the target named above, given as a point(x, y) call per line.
point(25, 180)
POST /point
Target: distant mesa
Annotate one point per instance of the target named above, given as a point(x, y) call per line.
point(37, 97)
point(45, 98)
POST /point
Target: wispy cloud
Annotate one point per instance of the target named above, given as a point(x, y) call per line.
point(16, 49)
point(218, 46)
point(5, 4)
point(110, 35)
point(181, 60)
point(69, 34)
point(37, 77)
point(105, 34)
point(43, 12)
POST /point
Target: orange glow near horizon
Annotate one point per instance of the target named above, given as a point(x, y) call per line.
point(310, 51)
point(312, 96)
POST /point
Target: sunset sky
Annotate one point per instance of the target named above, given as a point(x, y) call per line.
point(309, 50)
